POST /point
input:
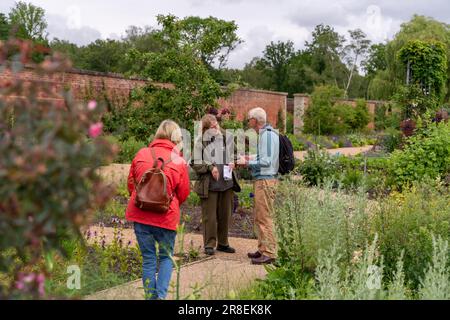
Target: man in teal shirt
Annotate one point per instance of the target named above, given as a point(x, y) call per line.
point(264, 169)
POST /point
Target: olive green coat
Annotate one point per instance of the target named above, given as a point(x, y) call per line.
point(203, 170)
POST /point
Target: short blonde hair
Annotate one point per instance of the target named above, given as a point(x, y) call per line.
point(259, 114)
point(169, 130)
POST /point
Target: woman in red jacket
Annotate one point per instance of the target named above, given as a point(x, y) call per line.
point(151, 227)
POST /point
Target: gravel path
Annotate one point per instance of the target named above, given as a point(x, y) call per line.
point(215, 277)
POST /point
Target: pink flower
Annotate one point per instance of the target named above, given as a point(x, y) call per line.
point(92, 105)
point(95, 130)
point(20, 285)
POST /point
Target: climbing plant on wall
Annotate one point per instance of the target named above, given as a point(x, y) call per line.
point(426, 75)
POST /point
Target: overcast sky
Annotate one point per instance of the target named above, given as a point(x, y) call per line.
point(259, 21)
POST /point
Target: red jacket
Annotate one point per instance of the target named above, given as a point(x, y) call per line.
point(177, 183)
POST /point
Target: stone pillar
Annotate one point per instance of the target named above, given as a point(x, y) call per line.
point(371, 107)
point(301, 102)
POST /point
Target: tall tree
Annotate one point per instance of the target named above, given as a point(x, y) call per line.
point(4, 27)
point(29, 20)
point(211, 39)
point(354, 51)
point(181, 62)
point(276, 59)
point(301, 76)
point(386, 82)
point(104, 56)
point(142, 39)
point(326, 49)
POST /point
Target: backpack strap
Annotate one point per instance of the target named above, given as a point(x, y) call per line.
point(155, 160)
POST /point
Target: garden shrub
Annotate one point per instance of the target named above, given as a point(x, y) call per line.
point(324, 116)
point(128, 150)
point(310, 219)
point(425, 155)
point(290, 123)
point(390, 140)
point(130, 121)
point(103, 265)
point(407, 222)
point(317, 166)
point(297, 145)
point(49, 182)
point(387, 117)
point(320, 117)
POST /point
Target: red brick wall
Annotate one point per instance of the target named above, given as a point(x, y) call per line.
point(241, 101)
point(86, 84)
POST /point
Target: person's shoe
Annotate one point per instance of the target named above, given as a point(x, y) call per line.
point(209, 251)
point(262, 260)
point(226, 249)
point(254, 255)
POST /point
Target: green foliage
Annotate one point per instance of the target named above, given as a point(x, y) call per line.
point(319, 117)
point(297, 145)
point(48, 167)
point(325, 116)
point(282, 283)
point(428, 65)
point(275, 62)
point(317, 167)
point(131, 122)
point(231, 124)
point(4, 27)
point(114, 209)
point(308, 220)
point(387, 116)
point(436, 283)
point(387, 81)
point(194, 199)
point(406, 223)
point(102, 265)
point(127, 149)
point(212, 39)
point(414, 102)
point(356, 49)
point(246, 196)
point(29, 20)
point(425, 155)
point(325, 234)
point(182, 64)
point(390, 140)
point(289, 123)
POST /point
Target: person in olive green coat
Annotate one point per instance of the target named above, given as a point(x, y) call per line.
point(215, 185)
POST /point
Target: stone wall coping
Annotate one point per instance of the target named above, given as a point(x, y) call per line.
point(94, 73)
point(121, 76)
point(262, 91)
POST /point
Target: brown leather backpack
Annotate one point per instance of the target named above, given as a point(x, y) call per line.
point(151, 191)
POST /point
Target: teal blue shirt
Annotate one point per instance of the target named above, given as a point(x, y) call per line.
point(266, 164)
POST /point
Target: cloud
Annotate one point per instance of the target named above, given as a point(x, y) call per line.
point(60, 27)
point(255, 42)
point(309, 14)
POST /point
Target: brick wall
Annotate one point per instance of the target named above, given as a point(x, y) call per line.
point(87, 84)
point(241, 101)
point(303, 101)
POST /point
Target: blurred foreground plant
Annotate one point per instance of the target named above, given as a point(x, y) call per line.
point(51, 148)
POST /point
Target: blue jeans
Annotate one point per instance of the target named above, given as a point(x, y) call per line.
point(147, 237)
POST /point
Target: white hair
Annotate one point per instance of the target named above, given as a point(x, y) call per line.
point(259, 114)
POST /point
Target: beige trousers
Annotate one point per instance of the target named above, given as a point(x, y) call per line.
point(264, 200)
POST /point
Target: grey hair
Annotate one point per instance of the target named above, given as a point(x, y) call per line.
point(259, 114)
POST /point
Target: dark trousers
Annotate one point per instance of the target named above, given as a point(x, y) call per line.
point(216, 215)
